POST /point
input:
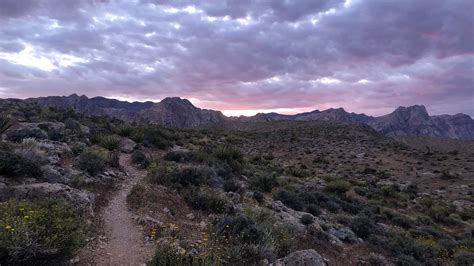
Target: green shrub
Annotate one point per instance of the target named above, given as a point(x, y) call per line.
point(362, 226)
point(91, 162)
point(140, 158)
point(124, 130)
point(185, 156)
point(306, 219)
point(110, 142)
point(173, 254)
point(231, 155)
point(313, 209)
point(231, 186)
point(264, 183)
point(338, 186)
point(297, 172)
point(290, 199)
point(20, 134)
point(464, 259)
point(5, 123)
point(14, 165)
point(206, 200)
point(36, 230)
point(258, 196)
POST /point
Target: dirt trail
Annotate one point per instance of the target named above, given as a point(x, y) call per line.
point(125, 245)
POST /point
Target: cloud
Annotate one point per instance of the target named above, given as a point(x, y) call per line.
point(367, 56)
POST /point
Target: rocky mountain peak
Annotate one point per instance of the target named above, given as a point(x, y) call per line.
point(415, 113)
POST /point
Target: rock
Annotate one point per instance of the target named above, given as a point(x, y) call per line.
point(190, 216)
point(289, 216)
point(462, 205)
point(308, 257)
point(127, 145)
point(82, 200)
point(148, 218)
point(345, 235)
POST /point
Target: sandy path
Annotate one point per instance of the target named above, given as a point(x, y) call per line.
point(125, 245)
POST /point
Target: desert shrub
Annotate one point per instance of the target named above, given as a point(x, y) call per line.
point(153, 136)
point(231, 186)
point(290, 199)
point(78, 147)
point(231, 155)
point(264, 183)
point(332, 206)
point(91, 162)
point(362, 226)
point(338, 186)
point(241, 227)
point(446, 175)
point(313, 209)
point(14, 165)
point(36, 230)
point(20, 134)
point(174, 254)
point(110, 142)
point(114, 159)
point(306, 219)
point(192, 176)
point(206, 200)
point(258, 196)
point(29, 149)
point(464, 259)
point(124, 130)
point(140, 158)
point(185, 156)
point(5, 123)
point(162, 173)
point(297, 171)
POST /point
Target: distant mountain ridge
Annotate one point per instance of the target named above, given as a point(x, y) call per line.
point(175, 112)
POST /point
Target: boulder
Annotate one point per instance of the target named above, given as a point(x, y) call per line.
point(289, 216)
point(127, 145)
point(308, 257)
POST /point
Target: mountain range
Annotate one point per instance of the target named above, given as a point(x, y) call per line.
point(175, 112)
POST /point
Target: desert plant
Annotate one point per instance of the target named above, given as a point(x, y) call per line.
point(44, 228)
point(338, 186)
point(5, 123)
point(290, 199)
point(91, 162)
point(306, 219)
point(110, 142)
point(206, 200)
point(14, 165)
point(138, 157)
point(19, 134)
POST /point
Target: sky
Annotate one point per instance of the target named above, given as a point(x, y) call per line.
point(244, 56)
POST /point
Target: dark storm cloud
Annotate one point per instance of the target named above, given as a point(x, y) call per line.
point(368, 56)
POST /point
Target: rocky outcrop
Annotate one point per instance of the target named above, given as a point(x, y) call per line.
point(415, 121)
point(171, 112)
point(180, 113)
point(127, 145)
point(308, 257)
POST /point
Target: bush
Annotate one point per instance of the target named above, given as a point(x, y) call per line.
point(338, 186)
point(464, 259)
point(185, 156)
point(313, 209)
point(124, 130)
point(241, 227)
point(14, 165)
point(264, 183)
point(290, 199)
point(306, 219)
point(140, 158)
point(110, 142)
point(5, 123)
point(231, 186)
point(362, 226)
point(37, 230)
point(258, 196)
point(206, 200)
point(231, 155)
point(91, 162)
point(20, 134)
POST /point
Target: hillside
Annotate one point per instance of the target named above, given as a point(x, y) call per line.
point(255, 192)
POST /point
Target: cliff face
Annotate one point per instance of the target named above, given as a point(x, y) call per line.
point(171, 112)
point(175, 112)
point(415, 121)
